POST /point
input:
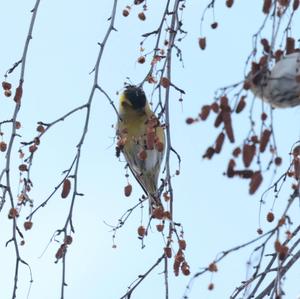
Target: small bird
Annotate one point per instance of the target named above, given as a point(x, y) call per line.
point(141, 139)
point(279, 87)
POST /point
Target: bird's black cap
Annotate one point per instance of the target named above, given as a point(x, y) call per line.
point(136, 96)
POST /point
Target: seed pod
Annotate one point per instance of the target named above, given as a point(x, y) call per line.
point(209, 153)
point(141, 59)
point(182, 244)
point(204, 112)
point(226, 116)
point(61, 251)
point(142, 16)
point(3, 146)
point(32, 148)
point(28, 225)
point(7, 93)
point(264, 140)
point(290, 45)
point(68, 240)
point(165, 82)
point(128, 190)
point(185, 269)
point(137, 2)
point(215, 107)
point(219, 142)
point(255, 182)
point(66, 188)
point(189, 120)
point(158, 213)
point(23, 167)
point(160, 227)
point(236, 152)
point(6, 85)
point(241, 105)
point(211, 286)
point(141, 231)
point(229, 3)
point(125, 12)
point(267, 6)
point(277, 246)
point(213, 267)
point(40, 128)
point(218, 120)
point(248, 154)
point(296, 4)
point(283, 252)
point(18, 94)
point(278, 161)
point(230, 168)
point(202, 43)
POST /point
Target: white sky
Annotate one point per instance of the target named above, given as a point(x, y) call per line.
point(216, 212)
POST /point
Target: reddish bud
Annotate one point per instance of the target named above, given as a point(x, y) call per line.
point(28, 225)
point(189, 120)
point(68, 240)
point(278, 161)
point(248, 154)
point(219, 142)
point(267, 6)
point(236, 152)
point(127, 190)
point(270, 217)
point(7, 93)
point(142, 16)
point(209, 153)
point(241, 105)
point(160, 227)
point(211, 286)
point(141, 59)
point(18, 94)
point(3, 146)
point(13, 213)
point(165, 82)
point(23, 167)
point(264, 140)
point(202, 43)
point(66, 188)
point(296, 4)
point(6, 85)
point(40, 128)
point(215, 107)
point(204, 112)
point(229, 3)
point(125, 12)
point(255, 182)
point(141, 231)
point(212, 267)
point(182, 244)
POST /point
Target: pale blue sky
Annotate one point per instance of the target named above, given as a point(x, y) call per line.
point(216, 212)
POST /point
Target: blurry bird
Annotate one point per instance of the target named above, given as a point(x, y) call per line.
point(279, 87)
point(142, 141)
